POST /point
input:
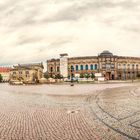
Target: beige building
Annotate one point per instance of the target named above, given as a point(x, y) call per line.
point(27, 73)
point(110, 66)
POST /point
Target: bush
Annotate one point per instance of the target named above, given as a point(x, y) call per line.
point(92, 76)
point(1, 78)
point(81, 75)
point(87, 76)
point(58, 76)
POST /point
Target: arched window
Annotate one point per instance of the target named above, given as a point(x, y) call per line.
point(91, 67)
point(119, 66)
point(137, 66)
point(124, 66)
point(72, 67)
point(96, 66)
point(133, 66)
point(58, 69)
point(81, 67)
point(86, 67)
point(128, 66)
point(77, 68)
point(51, 69)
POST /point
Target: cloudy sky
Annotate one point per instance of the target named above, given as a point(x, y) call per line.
point(37, 30)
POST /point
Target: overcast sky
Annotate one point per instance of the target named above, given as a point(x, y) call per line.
point(37, 30)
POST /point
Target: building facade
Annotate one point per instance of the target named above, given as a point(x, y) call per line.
point(5, 73)
point(27, 73)
point(110, 66)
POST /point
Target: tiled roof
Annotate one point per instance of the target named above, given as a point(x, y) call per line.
point(4, 69)
point(29, 65)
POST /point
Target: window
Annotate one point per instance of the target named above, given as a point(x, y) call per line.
point(86, 67)
point(91, 67)
point(124, 66)
point(103, 66)
point(108, 66)
point(133, 66)
point(14, 73)
point(112, 66)
point(72, 67)
point(137, 67)
point(81, 67)
point(77, 68)
point(119, 66)
point(27, 73)
point(96, 66)
point(128, 66)
point(20, 72)
point(51, 69)
point(58, 69)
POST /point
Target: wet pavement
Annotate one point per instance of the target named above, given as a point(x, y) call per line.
point(62, 112)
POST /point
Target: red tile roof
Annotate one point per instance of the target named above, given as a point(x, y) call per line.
point(4, 69)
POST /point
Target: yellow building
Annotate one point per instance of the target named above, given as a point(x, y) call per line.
point(27, 73)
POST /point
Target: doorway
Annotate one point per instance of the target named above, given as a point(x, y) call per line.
point(112, 77)
point(107, 76)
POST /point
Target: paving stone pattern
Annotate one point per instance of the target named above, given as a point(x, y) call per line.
point(61, 112)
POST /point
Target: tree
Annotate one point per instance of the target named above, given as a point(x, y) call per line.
point(87, 75)
point(1, 78)
point(92, 76)
point(58, 76)
point(46, 75)
point(81, 75)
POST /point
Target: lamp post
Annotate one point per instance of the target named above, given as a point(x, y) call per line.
point(72, 76)
point(132, 76)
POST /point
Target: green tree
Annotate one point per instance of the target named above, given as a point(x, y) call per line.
point(92, 76)
point(1, 78)
point(81, 75)
point(58, 76)
point(87, 76)
point(46, 75)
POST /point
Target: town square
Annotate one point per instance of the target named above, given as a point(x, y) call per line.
point(70, 70)
point(87, 112)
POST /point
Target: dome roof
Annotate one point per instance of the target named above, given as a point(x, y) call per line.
point(106, 53)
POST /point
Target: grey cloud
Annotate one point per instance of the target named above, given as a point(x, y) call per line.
point(27, 12)
point(92, 7)
point(28, 23)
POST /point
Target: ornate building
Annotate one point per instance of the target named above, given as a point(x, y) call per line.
point(110, 66)
point(27, 73)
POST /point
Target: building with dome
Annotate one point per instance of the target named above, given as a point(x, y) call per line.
point(111, 66)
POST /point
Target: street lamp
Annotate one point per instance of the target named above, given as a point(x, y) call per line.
point(72, 69)
point(132, 76)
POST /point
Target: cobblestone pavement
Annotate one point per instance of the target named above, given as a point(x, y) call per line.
point(61, 112)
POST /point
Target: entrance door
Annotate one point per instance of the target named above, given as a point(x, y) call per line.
point(107, 76)
point(112, 77)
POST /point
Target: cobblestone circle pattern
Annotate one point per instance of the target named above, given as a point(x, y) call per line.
point(61, 112)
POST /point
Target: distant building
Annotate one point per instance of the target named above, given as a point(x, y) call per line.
point(5, 73)
point(27, 73)
point(110, 66)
